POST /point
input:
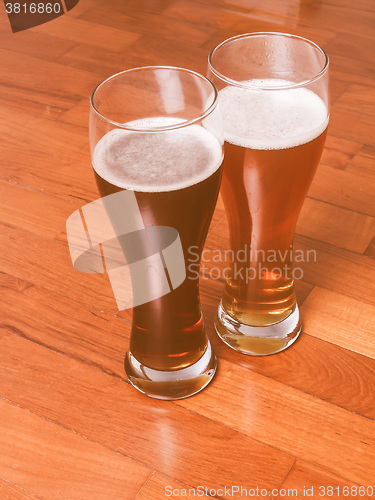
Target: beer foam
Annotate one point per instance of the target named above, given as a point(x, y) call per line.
point(271, 119)
point(160, 160)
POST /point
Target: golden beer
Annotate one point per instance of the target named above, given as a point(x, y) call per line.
point(274, 131)
point(267, 173)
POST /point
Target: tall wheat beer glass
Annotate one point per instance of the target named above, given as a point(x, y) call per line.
point(274, 100)
point(155, 131)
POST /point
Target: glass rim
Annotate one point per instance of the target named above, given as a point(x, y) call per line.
point(237, 83)
point(178, 125)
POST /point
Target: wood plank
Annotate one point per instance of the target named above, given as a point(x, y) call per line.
point(45, 215)
point(42, 134)
point(345, 19)
point(104, 62)
point(347, 69)
point(63, 325)
point(158, 434)
point(311, 365)
point(335, 225)
point(365, 5)
point(254, 23)
point(354, 46)
point(344, 189)
point(352, 124)
point(144, 6)
point(54, 462)
point(61, 78)
point(338, 270)
point(362, 165)
point(340, 320)
point(338, 152)
point(79, 31)
point(9, 491)
point(35, 102)
point(362, 73)
point(205, 15)
point(151, 24)
point(39, 45)
point(153, 51)
point(100, 340)
point(59, 175)
point(325, 371)
point(228, 17)
point(370, 250)
point(306, 427)
point(307, 480)
point(43, 101)
point(312, 12)
point(367, 150)
point(358, 97)
point(160, 486)
point(48, 264)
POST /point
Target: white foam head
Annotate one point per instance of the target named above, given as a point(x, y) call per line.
point(271, 119)
point(157, 161)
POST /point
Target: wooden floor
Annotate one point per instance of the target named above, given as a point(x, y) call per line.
point(71, 425)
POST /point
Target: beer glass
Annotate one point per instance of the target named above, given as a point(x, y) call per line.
point(155, 132)
point(274, 101)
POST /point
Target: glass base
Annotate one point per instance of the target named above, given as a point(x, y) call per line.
point(170, 385)
point(258, 340)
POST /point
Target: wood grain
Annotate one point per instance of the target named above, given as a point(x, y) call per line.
point(70, 179)
point(358, 97)
point(159, 487)
point(346, 189)
point(331, 223)
point(362, 125)
point(79, 30)
point(60, 78)
point(323, 370)
point(66, 326)
point(306, 480)
point(320, 432)
point(161, 436)
point(72, 427)
point(38, 203)
point(337, 269)
point(341, 320)
point(47, 263)
point(13, 492)
point(338, 152)
point(30, 442)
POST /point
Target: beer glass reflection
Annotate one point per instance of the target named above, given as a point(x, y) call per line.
point(155, 131)
point(274, 100)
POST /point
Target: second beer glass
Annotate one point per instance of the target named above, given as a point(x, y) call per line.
point(274, 99)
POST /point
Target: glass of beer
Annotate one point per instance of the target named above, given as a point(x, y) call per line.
point(274, 102)
point(156, 131)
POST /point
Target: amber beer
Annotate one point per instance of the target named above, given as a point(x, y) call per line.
point(175, 175)
point(273, 143)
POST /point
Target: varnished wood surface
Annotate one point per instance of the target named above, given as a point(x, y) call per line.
point(71, 425)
